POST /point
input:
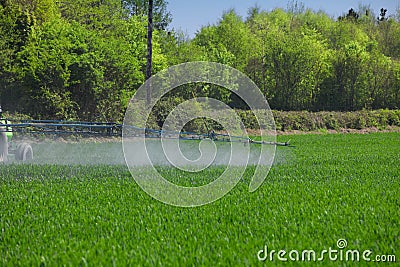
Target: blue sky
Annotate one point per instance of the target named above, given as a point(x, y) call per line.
point(189, 15)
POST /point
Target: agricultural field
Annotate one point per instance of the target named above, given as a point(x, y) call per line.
point(325, 188)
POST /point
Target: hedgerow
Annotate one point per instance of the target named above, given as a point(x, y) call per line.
point(289, 120)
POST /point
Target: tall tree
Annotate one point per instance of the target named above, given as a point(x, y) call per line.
point(351, 15)
point(15, 27)
point(161, 16)
point(38, 11)
point(149, 65)
point(347, 85)
point(93, 14)
point(296, 64)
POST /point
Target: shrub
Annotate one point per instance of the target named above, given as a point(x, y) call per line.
point(311, 121)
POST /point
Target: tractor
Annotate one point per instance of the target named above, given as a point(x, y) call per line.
point(21, 151)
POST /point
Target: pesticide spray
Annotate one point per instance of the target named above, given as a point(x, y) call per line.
point(142, 148)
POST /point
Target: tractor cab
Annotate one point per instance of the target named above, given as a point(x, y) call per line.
point(3, 139)
point(6, 129)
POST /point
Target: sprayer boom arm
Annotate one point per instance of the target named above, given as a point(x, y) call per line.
point(110, 129)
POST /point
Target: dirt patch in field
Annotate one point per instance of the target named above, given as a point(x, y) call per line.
point(388, 129)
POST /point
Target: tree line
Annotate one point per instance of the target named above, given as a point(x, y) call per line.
point(84, 59)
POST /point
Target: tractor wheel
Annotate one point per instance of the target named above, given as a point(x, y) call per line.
point(3, 147)
point(24, 152)
point(18, 151)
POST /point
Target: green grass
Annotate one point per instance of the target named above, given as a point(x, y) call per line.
point(325, 188)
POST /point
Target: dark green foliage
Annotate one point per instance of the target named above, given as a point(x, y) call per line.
point(97, 15)
point(352, 15)
point(15, 28)
point(69, 72)
point(69, 68)
point(312, 121)
point(85, 59)
point(286, 120)
point(161, 16)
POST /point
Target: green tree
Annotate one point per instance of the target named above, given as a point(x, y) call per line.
point(72, 72)
point(296, 64)
point(379, 72)
point(45, 69)
point(15, 27)
point(85, 59)
point(139, 8)
point(93, 14)
point(178, 48)
point(388, 32)
point(228, 42)
point(347, 85)
point(37, 11)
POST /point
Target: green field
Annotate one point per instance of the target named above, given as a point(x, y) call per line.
point(327, 187)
